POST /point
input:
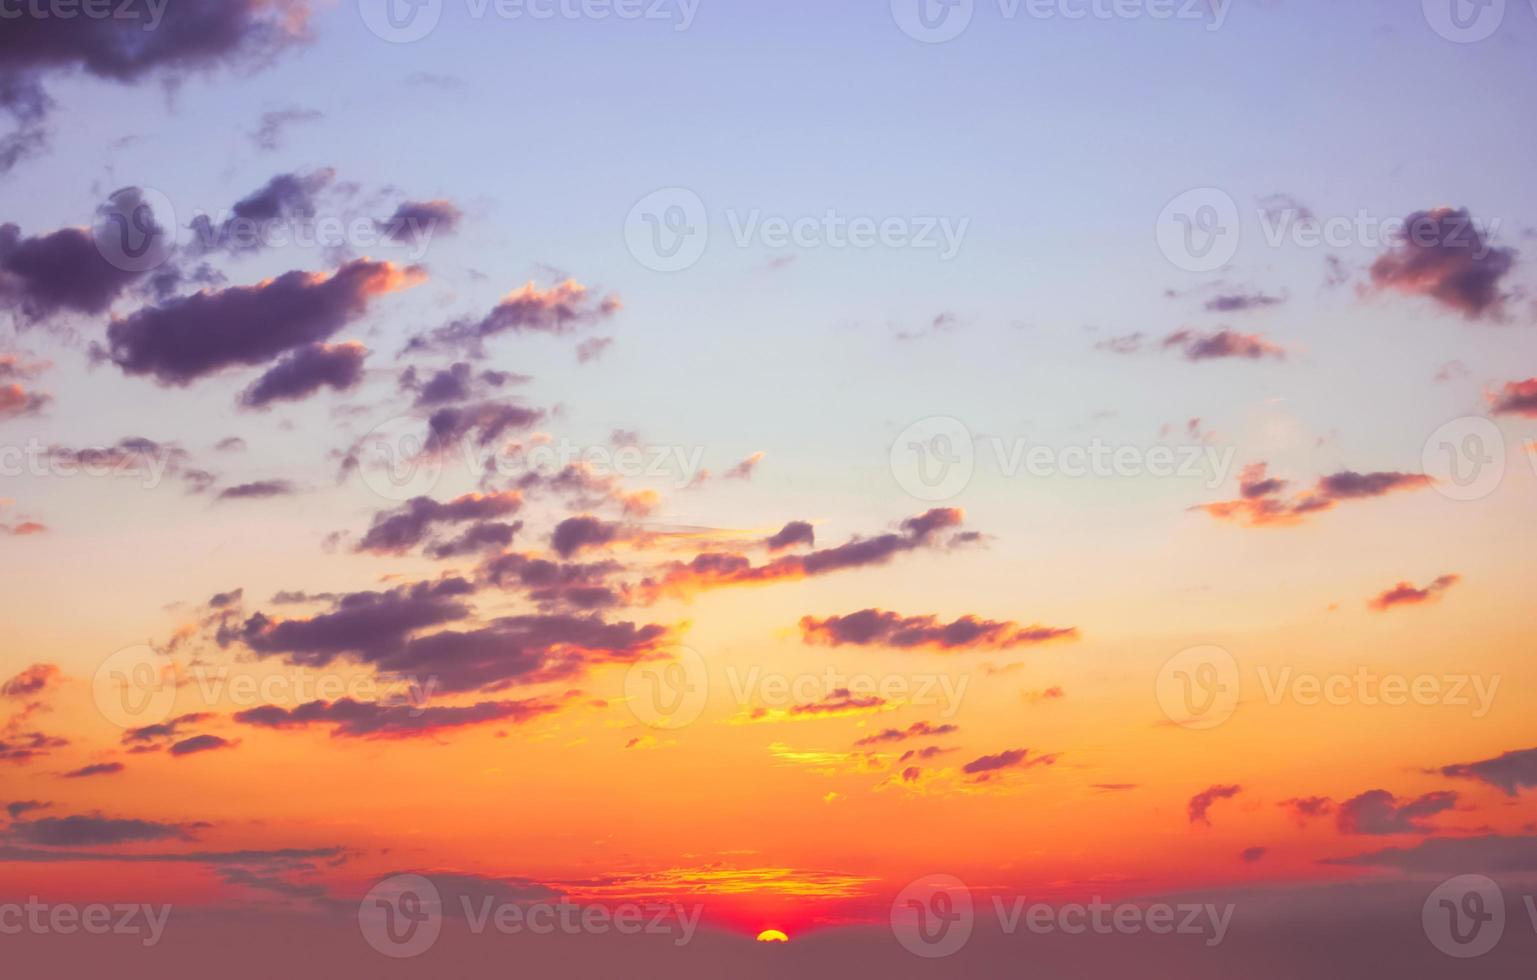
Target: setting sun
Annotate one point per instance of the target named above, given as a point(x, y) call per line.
point(772, 936)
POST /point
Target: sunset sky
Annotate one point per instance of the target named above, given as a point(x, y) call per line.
point(493, 455)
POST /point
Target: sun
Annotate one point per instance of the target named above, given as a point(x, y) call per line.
point(772, 936)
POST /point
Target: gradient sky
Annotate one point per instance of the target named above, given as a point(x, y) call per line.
point(1058, 323)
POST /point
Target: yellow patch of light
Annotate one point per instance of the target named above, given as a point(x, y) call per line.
point(772, 936)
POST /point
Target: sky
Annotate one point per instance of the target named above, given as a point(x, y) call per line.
point(823, 469)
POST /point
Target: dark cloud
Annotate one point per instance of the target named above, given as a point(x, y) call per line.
point(192, 36)
point(1241, 302)
point(579, 533)
point(516, 649)
point(549, 583)
point(1253, 855)
point(418, 221)
point(1197, 346)
point(1380, 812)
point(20, 748)
point(398, 531)
point(584, 487)
point(59, 272)
point(153, 737)
point(356, 719)
point(184, 339)
point(1262, 503)
point(307, 370)
point(561, 309)
point(457, 383)
point(918, 729)
point(200, 743)
point(484, 423)
point(32, 681)
point(21, 808)
point(1010, 759)
point(1446, 257)
point(87, 831)
point(360, 624)
point(98, 769)
point(1492, 854)
point(1200, 804)
point(1407, 594)
point(1307, 808)
point(285, 198)
point(476, 539)
point(223, 600)
point(713, 570)
point(1511, 772)
point(792, 534)
point(876, 627)
point(259, 490)
point(1517, 398)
